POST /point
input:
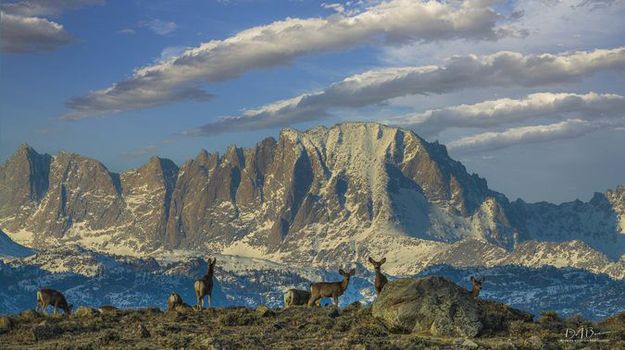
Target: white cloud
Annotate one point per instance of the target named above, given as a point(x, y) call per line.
point(503, 111)
point(549, 24)
point(19, 34)
point(461, 72)
point(395, 21)
point(127, 31)
point(159, 26)
point(31, 8)
point(571, 128)
point(170, 52)
point(23, 31)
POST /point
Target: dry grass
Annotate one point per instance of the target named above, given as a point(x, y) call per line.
point(241, 328)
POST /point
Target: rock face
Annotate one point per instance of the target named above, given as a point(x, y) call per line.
point(431, 305)
point(434, 305)
point(324, 196)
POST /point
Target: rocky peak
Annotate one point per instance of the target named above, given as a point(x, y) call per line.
point(24, 181)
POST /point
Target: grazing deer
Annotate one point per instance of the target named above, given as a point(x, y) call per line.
point(204, 286)
point(380, 279)
point(330, 289)
point(477, 286)
point(50, 297)
point(297, 297)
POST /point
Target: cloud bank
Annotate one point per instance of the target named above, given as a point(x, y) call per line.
point(376, 86)
point(20, 34)
point(506, 110)
point(23, 30)
point(395, 21)
point(571, 128)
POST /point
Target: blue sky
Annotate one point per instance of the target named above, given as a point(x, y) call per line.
point(536, 127)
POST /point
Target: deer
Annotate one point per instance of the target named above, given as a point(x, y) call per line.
point(297, 297)
point(50, 297)
point(204, 286)
point(330, 289)
point(477, 286)
point(174, 302)
point(380, 279)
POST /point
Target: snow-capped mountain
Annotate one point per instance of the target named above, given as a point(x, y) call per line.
point(326, 197)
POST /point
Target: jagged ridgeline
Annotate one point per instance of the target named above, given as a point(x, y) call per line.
point(326, 196)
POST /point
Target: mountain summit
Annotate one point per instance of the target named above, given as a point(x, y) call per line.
point(326, 196)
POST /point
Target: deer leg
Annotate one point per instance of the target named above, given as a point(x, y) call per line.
point(336, 300)
point(312, 301)
point(55, 306)
point(209, 300)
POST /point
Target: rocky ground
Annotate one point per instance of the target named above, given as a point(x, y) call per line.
point(428, 313)
point(296, 328)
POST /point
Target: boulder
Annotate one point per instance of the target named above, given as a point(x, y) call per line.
point(264, 311)
point(437, 306)
point(85, 311)
point(431, 305)
point(6, 323)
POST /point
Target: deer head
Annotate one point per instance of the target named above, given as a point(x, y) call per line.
point(377, 264)
point(211, 265)
point(477, 286)
point(346, 276)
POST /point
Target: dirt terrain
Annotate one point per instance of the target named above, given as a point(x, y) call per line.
point(295, 328)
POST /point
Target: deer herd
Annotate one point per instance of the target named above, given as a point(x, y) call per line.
point(204, 287)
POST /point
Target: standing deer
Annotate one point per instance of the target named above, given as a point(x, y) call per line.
point(204, 286)
point(330, 289)
point(477, 286)
point(380, 279)
point(297, 297)
point(50, 297)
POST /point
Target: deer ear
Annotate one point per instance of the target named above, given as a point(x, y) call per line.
point(482, 279)
point(341, 271)
point(371, 260)
point(214, 261)
point(472, 279)
point(352, 272)
point(383, 261)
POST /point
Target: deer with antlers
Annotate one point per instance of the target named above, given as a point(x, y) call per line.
point(204, 286)
point(380, 279)
point(477, 286)
point(50, 297)
point(330, 289)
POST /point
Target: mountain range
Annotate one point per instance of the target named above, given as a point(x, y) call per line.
point(325, 197)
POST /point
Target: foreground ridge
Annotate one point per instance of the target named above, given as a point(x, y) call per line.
point(482, 324)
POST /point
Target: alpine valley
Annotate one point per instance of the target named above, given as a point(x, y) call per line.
point(293, 210)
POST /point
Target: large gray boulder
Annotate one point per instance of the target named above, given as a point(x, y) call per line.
point(436, 306)
point(431, 305)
